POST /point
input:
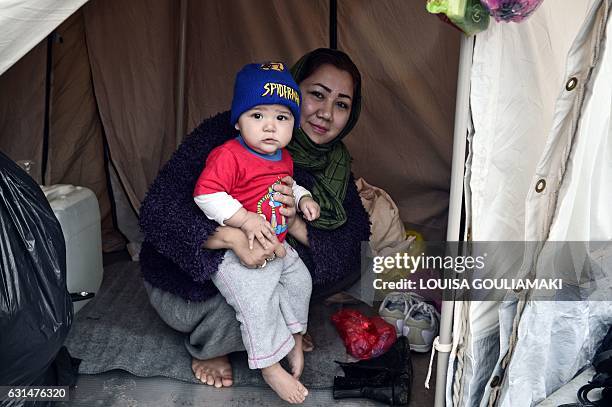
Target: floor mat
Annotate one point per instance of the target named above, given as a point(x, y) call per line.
point(118, 329)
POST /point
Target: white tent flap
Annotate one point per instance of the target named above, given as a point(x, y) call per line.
point(557, 339)
point(24, 23)
point(518, 70)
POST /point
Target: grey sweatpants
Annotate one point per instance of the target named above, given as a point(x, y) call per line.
point(211, 326)
point(271, 303)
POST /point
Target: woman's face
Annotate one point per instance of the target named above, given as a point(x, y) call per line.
point(327, 97)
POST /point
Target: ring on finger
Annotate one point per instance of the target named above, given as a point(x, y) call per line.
point(264, 264)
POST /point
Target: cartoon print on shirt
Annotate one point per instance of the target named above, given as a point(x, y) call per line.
point(278, 227)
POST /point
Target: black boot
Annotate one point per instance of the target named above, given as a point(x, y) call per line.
point(385, 387)
point(387, 378)
point(396, 359)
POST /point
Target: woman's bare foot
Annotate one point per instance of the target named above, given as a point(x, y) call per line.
point(307, 343)
point(285, 385)
point(296, 357)
point(214, 372)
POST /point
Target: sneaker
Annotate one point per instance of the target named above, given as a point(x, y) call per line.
point(421, 326)
point(395, 307)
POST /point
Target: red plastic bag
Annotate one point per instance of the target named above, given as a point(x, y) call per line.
point(363, 337)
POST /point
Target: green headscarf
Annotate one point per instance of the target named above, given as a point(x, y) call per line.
point(330, 163)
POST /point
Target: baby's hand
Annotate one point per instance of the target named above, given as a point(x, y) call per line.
point(309, 208)
point(256, 226)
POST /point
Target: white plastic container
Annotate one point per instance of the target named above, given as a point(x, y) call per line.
point(78, 213)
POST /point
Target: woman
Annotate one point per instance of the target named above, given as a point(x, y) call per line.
point(178, 255)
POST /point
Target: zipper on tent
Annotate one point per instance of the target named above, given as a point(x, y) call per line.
point(108, 162)
point(333, 24)
point(52, 38)
point(48, 79)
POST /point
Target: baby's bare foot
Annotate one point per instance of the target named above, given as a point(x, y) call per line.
point(285, 385)
point(296, 357)
point(214, 372)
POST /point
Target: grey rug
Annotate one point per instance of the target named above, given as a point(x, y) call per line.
point(118, 329)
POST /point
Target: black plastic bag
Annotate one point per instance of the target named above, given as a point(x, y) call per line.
point(602, 380)
point(35, 307)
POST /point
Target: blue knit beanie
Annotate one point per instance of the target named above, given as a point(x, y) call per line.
point(269, 83)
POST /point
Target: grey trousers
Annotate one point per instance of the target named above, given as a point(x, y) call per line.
point(211, 326)
point(271, 303)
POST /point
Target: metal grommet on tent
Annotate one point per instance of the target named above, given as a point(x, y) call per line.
point(540, 185)
point(571, 83)
point(495, 381)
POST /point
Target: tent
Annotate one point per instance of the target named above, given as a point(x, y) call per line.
point(520, 352)
point(105, 90)
point(537, 174)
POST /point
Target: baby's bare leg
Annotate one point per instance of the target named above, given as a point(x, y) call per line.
point(307, 343)
point(296, 357)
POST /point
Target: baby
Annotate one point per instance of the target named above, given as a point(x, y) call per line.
point(235, 189)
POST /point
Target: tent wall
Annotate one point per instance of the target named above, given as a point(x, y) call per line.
point(224, 36)
point(408, 59)
point(22, 108)
point(134, 84)
point(75, 152)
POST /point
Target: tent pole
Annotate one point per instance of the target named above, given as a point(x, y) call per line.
point(462, 111)
point(48, 84)
point(180, 82)
point(333, 24)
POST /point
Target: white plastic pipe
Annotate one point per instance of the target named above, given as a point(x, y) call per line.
point(462, 111)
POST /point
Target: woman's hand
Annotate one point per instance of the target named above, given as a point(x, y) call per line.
point(227, 237)
point(257, 256)
point(285, 196)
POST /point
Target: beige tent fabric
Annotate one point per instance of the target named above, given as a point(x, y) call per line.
point(76, 152)
point(403, 142)
point(224, 36)
point(408, 59)
point(132, 52)
point(134, 80)
point(22, 108)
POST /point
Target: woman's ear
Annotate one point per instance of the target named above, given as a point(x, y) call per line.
point(236, 126)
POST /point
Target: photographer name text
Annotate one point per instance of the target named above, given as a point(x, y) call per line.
point(516, 284)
